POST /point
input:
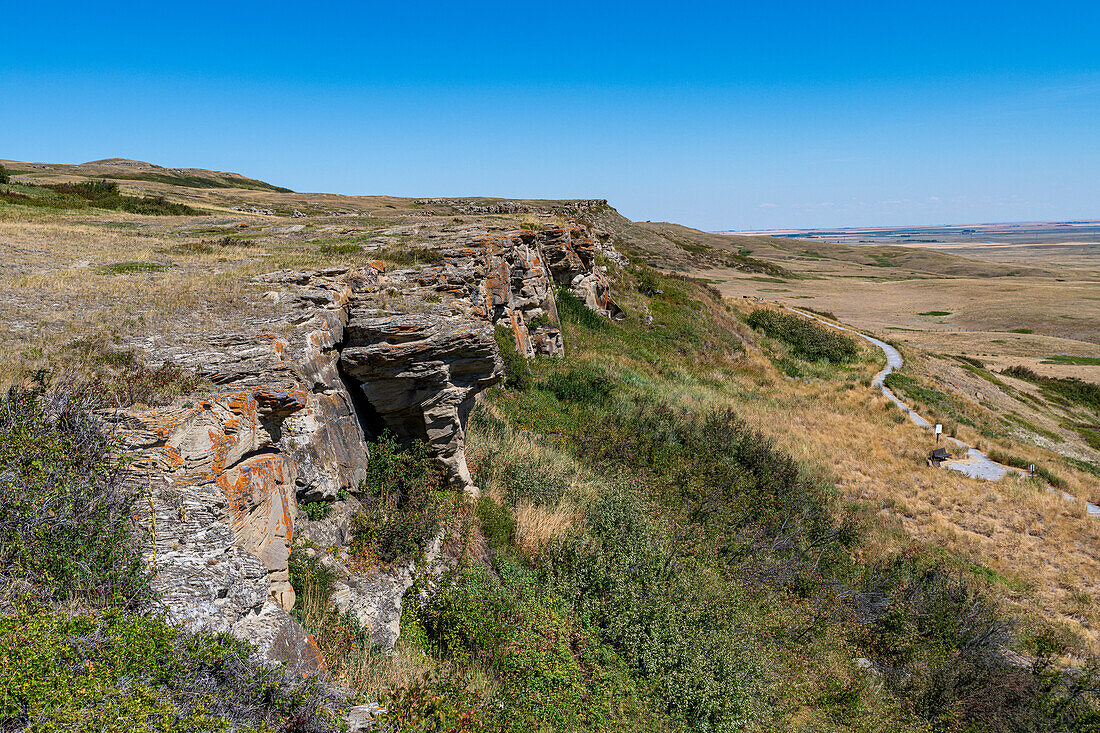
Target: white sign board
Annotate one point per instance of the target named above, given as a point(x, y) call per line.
point(939, 429)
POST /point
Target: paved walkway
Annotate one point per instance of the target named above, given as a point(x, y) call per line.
point(976, 464)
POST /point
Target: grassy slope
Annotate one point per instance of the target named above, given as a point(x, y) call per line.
point(644, 560)
point(675, 246)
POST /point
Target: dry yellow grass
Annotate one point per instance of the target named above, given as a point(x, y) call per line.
point(1045, 545)
point(536, 525)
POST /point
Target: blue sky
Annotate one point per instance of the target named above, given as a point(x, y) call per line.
point(715, 115)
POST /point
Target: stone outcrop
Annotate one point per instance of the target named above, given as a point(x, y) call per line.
point(374, 599)
point(509, 280)
point(420, 372)
point(347, 353)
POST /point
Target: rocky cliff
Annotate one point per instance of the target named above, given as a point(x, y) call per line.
point(352, 352)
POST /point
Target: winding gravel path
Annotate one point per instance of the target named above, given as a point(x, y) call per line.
point(976, 464)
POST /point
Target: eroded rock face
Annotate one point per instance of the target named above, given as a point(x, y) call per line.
point(420, 374)
point(509, 280)
point(297, 398)
point(224, 475)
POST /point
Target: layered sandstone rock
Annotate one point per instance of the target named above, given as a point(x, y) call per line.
point(420, 374)
point(297, 398)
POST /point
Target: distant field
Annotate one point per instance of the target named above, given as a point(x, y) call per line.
point(1027, 233)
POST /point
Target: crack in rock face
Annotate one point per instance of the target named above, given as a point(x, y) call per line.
point(420, 374)
point(299, 395)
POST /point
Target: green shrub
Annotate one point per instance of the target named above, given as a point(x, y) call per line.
point(645, 281)
point(1069, 390)
point(584, 384)
point(132, 268)
point(517, 372)
point(752, 264)
point(316, 510)
point(433, 704)
point(539, 321)
point(497, 523)
point(65, 520)
point(411, 256)
point(121, 377)
point(95, 194)
point(341, 639)
point(550, 672)
point(105, 195)
point(941, 646)
point(572, 309)
point(806, 338)
point(682, 630)
point(1022, 463)
point(907, 386)
point(5, 177)
point(403, 501)
point(135, 674)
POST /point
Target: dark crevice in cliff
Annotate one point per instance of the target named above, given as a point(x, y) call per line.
point(370, 422)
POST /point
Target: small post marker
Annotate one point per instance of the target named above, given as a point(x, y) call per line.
point(939, 432)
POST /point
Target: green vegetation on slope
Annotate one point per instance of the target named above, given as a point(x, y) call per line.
point(651, 562)
point(126, 673)
point(1074, 360)
point(1066, 391)
point(192, 180)
point(93, 194)
point(64, 520)
point(806, 338)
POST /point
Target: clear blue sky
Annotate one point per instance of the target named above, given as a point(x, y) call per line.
point(715, 115)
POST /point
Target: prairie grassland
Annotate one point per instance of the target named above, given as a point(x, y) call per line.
point(66, 280)
point(69, 275)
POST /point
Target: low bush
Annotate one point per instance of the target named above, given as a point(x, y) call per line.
point(135, 674)
point(95, 194)
point(549, 672)
point(645, 281)
point(572, 309)
point(517, 372)
point(1069, 389)
point(132, 268)
point(497, 523)
point(1024, 464)
point(540, 321)
point(411, 256)
point(583, 384)
point(940, 402)
point(5, 177)
point(121, 377)
point(403, 502)
point(346, 647)
point(105, 195)
point(316, 510)
point(806, 338)
point(946, 650)
point(753, 264)
point(65, 520)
